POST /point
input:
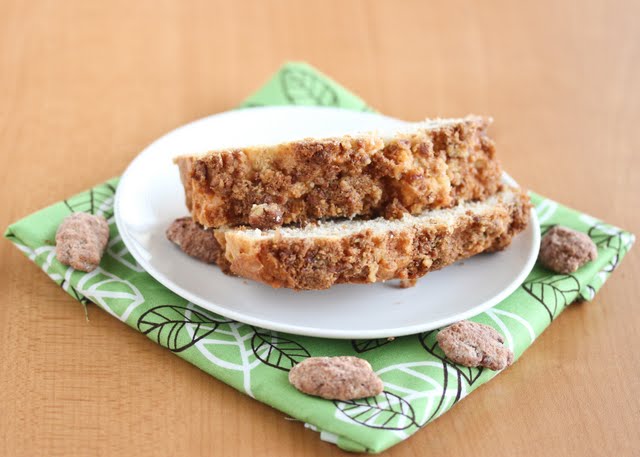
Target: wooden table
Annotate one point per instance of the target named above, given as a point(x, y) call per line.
point(85, 85)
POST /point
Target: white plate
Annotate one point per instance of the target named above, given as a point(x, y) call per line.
point(150, 197)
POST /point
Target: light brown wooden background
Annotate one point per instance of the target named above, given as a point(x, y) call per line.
point(85, 85)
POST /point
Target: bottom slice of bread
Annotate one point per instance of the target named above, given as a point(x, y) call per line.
point(351, 251)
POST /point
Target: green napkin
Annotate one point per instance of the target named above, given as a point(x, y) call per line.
point(420, 383)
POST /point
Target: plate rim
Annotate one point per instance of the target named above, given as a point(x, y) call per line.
point(300, 329)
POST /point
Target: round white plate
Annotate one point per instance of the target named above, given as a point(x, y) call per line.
point(150, 197)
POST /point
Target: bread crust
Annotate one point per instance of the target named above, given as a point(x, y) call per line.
point(309, 263)
point(366, 176)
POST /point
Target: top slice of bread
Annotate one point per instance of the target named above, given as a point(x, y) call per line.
point(427, 165)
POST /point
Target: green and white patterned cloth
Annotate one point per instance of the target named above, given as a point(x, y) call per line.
point(420, 383)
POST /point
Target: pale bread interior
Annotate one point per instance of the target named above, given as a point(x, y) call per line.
point(344, 228)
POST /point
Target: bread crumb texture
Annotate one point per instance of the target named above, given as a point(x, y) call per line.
point(424, 168)
point(377, 250)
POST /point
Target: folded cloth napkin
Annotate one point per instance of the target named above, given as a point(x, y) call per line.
point(420, 382)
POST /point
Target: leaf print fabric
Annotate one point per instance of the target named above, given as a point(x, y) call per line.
point(277, 351)
point(177, 327)
point(386, 411)
point(369, 345)
point(304, 87)
point(420, 382)
point(560, 291)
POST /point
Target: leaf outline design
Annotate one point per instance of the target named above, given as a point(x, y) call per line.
point(302, 87)
point(606, 236)
point(266, 344)
point(361, 346)
point(181, 316)
point(110, 291)
point(558, 288)
point(118, 251)
point(369, 411)
point(97, 200)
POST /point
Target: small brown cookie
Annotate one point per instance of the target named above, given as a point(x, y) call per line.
point(266, 215)
point(194, 240)
point(564, 250)
point(81, 239)
point(336, 378)
point(473, 345)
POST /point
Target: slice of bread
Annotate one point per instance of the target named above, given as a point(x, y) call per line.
point(355, 251)
point(428, 165)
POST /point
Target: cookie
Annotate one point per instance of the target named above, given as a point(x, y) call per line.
point(474, 345)
point(81, 239)
point(564, 250)
point(336, 378)
point(194, 240)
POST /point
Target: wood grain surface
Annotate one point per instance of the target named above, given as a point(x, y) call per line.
point(85, 85)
